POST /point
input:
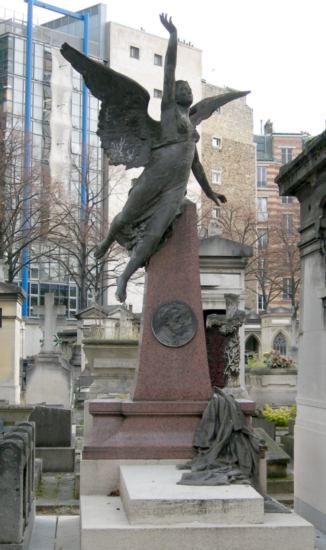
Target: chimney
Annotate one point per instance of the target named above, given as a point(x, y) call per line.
point(268, 127)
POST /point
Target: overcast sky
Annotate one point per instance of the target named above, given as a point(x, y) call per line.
point(275, 48)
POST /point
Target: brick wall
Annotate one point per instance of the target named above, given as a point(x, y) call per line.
point(235, 160)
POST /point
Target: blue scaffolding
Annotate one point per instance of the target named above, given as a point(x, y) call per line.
point(27, 133)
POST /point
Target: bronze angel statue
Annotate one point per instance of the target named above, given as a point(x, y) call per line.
point(166, 149)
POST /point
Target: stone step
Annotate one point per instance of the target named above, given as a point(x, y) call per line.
point(105, 525)
point(284, 498)
point(285, 485)
point(151, 494)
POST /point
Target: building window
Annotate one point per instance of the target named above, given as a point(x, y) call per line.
point(217, 142)
point(216, 213)
point(286, 200)
point(158, 93)
point(158, 60)
point(262, 268)
point(286, 154)
point(280, 343)
point(287, 222)
point(34, 273)
point(134, 52)
point(261, 302)
point(262, 239)
point(216, 177)
point(287, 288)
point(261, 146)
point(261, 176)
point(262, 213)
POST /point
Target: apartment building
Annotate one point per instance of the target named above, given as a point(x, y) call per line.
point(277, 217)
point(278, 263)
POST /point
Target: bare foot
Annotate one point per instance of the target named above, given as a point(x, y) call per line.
point(100, 250)
point(121, 293)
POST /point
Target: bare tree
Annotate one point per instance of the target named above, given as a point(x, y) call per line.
point(23, 218)
point(79, 229)
point(275, 253)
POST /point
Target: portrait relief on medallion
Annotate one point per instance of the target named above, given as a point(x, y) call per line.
point(174, 324)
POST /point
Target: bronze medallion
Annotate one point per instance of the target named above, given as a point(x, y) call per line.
point(174, 324)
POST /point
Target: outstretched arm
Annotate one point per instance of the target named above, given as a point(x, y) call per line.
point(200, 176)
point(170, 61)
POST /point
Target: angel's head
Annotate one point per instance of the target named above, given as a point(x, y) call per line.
point(183, 93)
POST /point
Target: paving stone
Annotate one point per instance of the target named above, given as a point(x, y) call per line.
point(44, 533)
point(68, 533)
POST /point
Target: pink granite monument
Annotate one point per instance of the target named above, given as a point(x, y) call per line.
point(172, 383)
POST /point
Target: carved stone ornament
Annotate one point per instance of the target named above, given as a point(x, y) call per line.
point(174, 324)
point(229, 326)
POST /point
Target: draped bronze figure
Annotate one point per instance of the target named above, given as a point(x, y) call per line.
point(166, 149)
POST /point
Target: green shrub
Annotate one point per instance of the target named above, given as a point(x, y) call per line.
point(280, 416)
point(254, 363)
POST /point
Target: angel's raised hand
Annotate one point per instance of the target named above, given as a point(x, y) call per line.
point(167, 23)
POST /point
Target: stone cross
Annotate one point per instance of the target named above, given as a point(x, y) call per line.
point(50, 313)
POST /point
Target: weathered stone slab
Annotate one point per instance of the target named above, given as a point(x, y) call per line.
point(268, 427)
point(151, 495)
point(59, 459)
point(17, 505)
point(277, 458)
point(12, 461)
point(53, 426)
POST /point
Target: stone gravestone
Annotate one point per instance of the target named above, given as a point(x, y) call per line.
point(110, 345)
point(11, 297)
point(50, 312)
point(53, 438)
point(53, 426)
point(49, 379)
point(17, 505)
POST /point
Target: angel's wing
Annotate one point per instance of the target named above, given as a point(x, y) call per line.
point(206, 107)
point(125, 128)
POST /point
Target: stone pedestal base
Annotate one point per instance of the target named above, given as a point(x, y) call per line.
point(154, 513)
point(152, 493)
point(143, 429)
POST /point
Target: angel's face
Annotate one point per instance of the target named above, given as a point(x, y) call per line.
point(183, 93)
